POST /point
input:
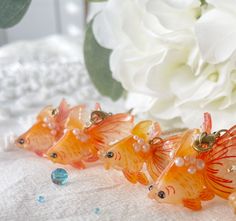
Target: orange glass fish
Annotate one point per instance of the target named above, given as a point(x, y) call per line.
point(232, 200)
point(144, 146)
point(47, 129)
point(81, 144)
point(201, 168)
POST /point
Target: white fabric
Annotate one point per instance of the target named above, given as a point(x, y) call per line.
point(24, 176)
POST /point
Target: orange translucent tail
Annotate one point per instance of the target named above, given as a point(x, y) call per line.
point(220, 164)
point(160, 155)
point(112, 128)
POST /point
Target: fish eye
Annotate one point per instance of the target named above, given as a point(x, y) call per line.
point(21, 141)
point(53, 155)
point(110, 154)
point(150, 187)
point(161, 194)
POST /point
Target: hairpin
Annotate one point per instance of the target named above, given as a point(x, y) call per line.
point(47, 129)
point(143, 146)
point(203, 166)
point(80, 145)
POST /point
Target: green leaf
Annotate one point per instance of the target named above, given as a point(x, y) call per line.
point(97, 63)
point(12, 11)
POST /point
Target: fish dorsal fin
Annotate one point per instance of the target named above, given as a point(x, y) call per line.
point(77, 118)
point(207, 124)
point(63, 112)
point(219, 174)
point(112, 128)
point(160, 155)
point(147, 130)
point(45, 112)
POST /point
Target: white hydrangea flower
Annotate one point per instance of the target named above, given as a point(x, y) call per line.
point(166, 57)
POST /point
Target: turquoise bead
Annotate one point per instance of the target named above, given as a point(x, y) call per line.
point(41, 199)
point(59, 176)
point(97, 211)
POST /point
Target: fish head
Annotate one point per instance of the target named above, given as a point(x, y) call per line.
point(115, 156)
point(168, 188)
point(37, 139)
point(63, 151)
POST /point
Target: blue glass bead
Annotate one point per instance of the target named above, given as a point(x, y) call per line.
point(59, 176)
point(97, 211)
point(41, 199)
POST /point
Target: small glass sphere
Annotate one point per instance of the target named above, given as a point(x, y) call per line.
point(200, 164)
point(41, 199)
point(97, 210)
point(136, 147)
point(59, 176)
point(179, 161)
point(145, 147)
point(192, 170)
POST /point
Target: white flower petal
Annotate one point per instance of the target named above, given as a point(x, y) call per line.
point(217, 40)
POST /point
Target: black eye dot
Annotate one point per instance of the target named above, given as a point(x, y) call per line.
point(21, 141)
point(53, 155)
point(150, 187)
point(109, 154)
point(161, 194)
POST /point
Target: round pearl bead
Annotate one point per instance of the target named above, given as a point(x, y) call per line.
point(179, 161)
point(53, 132)
point(200, 164)
point(136, 147)
point(145, 147)
point(65, 131)
point(140, 141)
point(46, 120)
point(75, 131)
point(192, 170)
point(192, 160)
point(135, 137)
point(83, 138)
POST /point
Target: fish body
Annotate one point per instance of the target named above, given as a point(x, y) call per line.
point(81, 145)
point(47, 129)
point(144, 146)
point(197, 173)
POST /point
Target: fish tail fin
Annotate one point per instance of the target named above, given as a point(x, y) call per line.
point(220, 164)
point(160, 155)
point(111, 129)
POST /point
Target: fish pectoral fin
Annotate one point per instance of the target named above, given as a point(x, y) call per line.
point(142, 178)
point(92, 158)
point(131, 177)
point(193, 204)
point(38, 153)
point(206, 195)
point(79, 165)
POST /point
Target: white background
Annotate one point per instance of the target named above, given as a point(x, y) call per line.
point(47, 17)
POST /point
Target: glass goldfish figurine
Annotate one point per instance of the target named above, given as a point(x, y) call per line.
point(80, 145)
point(232, 200)
point(202, 167)
point(47, 129)
point(143, 146)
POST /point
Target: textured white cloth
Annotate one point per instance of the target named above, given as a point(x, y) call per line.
point(90, 194)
